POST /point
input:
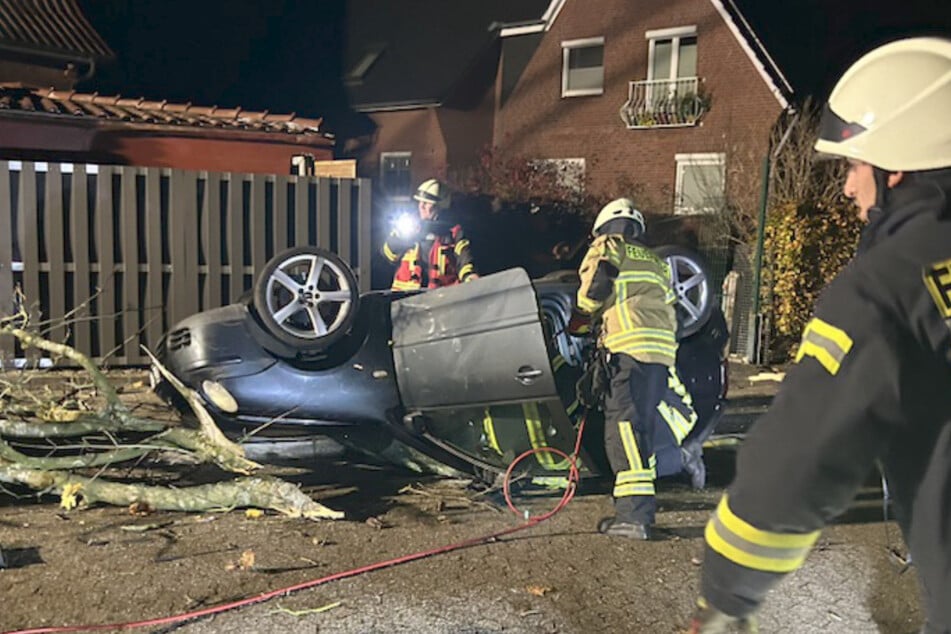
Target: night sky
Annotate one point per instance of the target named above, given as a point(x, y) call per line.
point(278, 55)
point(286, 55)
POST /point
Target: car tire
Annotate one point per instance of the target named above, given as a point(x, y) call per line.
point(691, 281)
point(306, 298)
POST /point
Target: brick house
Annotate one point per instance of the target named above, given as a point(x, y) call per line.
point(674, 98)
point(662, 93)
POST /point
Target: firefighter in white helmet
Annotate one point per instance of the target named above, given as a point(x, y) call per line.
point(429, 250)
point(626, 289)
point(872, 379)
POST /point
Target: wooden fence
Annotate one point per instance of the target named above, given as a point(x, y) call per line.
point(122, 253)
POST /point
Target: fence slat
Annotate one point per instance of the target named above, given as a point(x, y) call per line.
point(188, 202)
point(344, 215)
point(258, 226)
point(235, 229)
point(79, 233)
point(29, 237)
point(154, 310)
point(183, 249)
point(280, 214)
point(301, 204)
point(323, 219)
point(106, 302)
point(176, 231)
point(55, 253)
point(6, 258)
point(211, 241)
point(364, 255)
point(129, 252)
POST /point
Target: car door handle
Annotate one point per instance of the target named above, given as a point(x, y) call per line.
point(526, 375)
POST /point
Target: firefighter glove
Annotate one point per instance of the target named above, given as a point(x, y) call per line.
point(709, 620)
point(580, 324)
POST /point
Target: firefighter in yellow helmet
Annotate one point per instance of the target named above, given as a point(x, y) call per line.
point(626, 288)
point(429, 250)
point(872, 378)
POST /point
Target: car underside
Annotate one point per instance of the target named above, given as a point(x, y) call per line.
point(455, 380)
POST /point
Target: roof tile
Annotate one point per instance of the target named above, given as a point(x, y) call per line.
point(53, 25)
point(69, 103)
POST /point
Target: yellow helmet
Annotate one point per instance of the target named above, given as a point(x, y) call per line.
point(432, 191)
point(890, 108)
point(619, 209)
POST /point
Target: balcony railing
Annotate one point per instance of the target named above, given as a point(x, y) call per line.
point(664, 103)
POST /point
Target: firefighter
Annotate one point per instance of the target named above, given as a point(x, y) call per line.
point(872, 378)
point(429, 251)
point(626, 288)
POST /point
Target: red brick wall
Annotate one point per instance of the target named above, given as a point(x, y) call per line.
point(442, 140)
point(214, 155)
point(415, 131)
point(40, 139)
point(538, 123)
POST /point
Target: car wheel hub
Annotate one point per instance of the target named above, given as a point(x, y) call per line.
point(317, 311)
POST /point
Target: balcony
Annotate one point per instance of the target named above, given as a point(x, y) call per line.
point(664, 103)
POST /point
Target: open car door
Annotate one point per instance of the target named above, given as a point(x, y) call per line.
point(474, 361)
point(478, 343)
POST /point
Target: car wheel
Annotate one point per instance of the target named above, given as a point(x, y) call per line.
point(690, 279)
point(307, 298)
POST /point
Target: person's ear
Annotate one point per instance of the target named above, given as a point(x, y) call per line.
point(894, 178)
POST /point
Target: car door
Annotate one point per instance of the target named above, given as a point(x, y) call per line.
point(474, 361)
point(479, 343)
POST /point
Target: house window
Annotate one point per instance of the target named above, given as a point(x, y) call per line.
point(582, 67)
point(395, 177)
point(363, 64)
point(672, 53)
point(672, 63)
point(701, 182)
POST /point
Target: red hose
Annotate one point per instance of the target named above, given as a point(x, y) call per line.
point(177, 618)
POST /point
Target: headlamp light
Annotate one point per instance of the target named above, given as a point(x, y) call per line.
point(406, 225)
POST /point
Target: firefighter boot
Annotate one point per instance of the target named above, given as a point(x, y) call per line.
point(617, 528)
point(708, 620)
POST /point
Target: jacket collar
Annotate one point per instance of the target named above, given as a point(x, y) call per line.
point(921, 193)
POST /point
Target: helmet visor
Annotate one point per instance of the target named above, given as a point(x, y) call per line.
point(835, 129)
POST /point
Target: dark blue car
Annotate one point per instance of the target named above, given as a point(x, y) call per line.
point(459, 379)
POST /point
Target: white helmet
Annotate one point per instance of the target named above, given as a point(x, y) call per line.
point(432, 191)
point(890, 108)
point(619, 209)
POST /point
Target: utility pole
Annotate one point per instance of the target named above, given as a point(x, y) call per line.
point(753, 346)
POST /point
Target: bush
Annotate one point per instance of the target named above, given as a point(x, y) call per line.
point(806, 246)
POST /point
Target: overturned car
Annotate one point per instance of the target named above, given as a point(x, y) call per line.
point(458, 379)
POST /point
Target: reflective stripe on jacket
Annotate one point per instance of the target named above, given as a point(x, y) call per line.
point(871, 384)
point(637, 317)
point(448, 261)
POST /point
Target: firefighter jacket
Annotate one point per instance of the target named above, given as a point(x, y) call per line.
point(627, 287)
point(440, 258)
point(871, 384)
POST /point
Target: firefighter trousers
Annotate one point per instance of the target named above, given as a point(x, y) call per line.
point(630, 417)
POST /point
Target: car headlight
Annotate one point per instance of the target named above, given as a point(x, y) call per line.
point(219, 396)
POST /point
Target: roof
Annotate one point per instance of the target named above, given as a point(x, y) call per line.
point(755, 50)
point(98, 108)
point(411, 53)
point(50, 26)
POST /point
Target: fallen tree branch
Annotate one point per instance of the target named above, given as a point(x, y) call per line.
point(97, 459)
point(114, 419)
point(255, 492)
